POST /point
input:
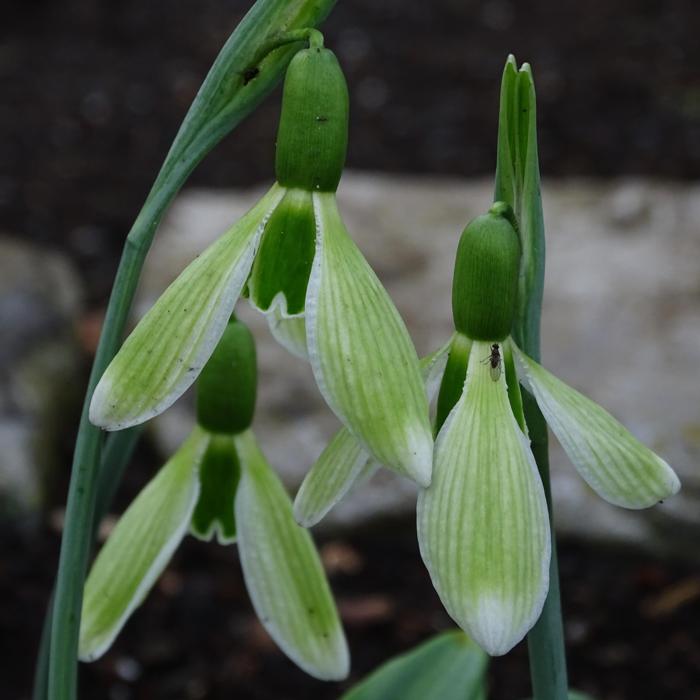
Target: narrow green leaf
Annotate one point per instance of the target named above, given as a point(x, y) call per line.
point(483, 527)
point(448, 667)
point(139, 548)
point(610, 459)
point(361, 354)
point(283, 572)
point(168, 348)
point(219, 475)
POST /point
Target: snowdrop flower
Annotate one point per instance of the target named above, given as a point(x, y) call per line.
point(306, 274)
point(218, 483)
point(483, 524)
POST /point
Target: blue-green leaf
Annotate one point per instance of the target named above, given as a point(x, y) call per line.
point(447, 667)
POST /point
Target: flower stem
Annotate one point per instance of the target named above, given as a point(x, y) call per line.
point(225, 98)
point(518, 184)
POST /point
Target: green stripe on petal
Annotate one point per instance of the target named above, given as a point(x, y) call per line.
point(283, 572)
point(608, 457)
point(483, 527)
point(219, 474)
point(290, 332)
point(139, 548)
point(361, 354)
point(344, 462)
point(168, 348)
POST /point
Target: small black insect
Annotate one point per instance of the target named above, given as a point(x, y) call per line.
point(494, 362)
point(249, 74)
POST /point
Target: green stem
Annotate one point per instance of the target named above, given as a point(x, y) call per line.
point(518, 184)
point(227, 95)
point(115, 457)
point(545, 641)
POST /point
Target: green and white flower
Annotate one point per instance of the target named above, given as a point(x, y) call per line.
point(292, 255)
point(219, 484)
point(483, 524)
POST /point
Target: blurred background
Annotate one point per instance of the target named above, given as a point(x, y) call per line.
point(93, 94)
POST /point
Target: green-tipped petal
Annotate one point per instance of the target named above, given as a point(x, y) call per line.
point(283, 571)
point(344, 462)
point(290, 332)
point(139, 548)
point(361, 354)
point(483, 527)
point(610, 459)
point(168, 348)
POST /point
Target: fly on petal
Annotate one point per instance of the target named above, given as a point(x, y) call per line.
point(483, 525)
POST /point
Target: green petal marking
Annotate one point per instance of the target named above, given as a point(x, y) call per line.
point(139, 548)
point(361, 354)
point(167, 350)
point(344, 462)
point(610, 459)
point(290, 333)
point(282, 266)
point(483, 527)
point(218, 477)
point(283, 571)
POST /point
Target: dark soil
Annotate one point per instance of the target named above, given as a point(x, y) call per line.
point(631, 624)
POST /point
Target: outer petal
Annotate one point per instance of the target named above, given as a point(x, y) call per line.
point(168, 348)
point(483, 527)
point(283, 572)
point(610, 459)
point(139, 548)
point(344, 462)
point(362, 356)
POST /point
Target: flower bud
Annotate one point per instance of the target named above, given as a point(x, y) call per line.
point(313, 131)
point(226, 387)
point(485, 283)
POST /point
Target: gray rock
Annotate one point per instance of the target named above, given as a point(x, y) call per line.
point(40, 299)
point(621, 322)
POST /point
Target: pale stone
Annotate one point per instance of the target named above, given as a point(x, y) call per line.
point(621, 322)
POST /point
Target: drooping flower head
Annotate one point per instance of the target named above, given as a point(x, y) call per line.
point(483, 524)
point(293, 257)
point(219, 484)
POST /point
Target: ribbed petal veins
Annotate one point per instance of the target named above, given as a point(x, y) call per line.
point(483, 527)
point(344, 462)
point(610, 459)
point(283, 572)
point(168, 348)
point(139, 548)
point(341, 465)
point(362, 356)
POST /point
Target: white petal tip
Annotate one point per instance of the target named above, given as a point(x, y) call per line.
point(492, 627)
point(303, 518)
point(418, 463)
point(335, 669)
